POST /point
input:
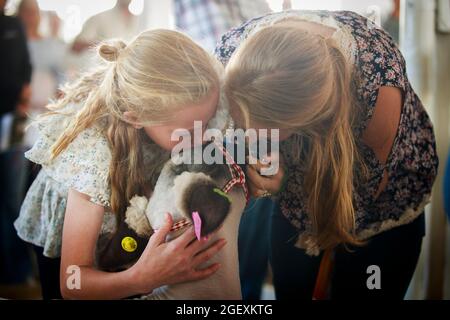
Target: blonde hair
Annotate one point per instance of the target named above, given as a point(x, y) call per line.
point(155, 75)
point(287, 78)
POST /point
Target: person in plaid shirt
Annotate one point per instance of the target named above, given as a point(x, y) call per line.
point(206, 20)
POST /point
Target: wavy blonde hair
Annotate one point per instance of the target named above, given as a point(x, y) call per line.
point(287, 78)
point(158, 73)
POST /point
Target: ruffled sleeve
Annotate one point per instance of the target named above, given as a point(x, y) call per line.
point(83, 165)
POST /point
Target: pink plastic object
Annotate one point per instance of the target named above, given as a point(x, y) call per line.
point(197, 224)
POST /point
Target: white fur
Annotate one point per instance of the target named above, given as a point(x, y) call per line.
point(163, 199)
point(135, 216)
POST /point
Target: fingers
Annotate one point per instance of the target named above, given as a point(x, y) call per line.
point(185, 239)
point(159, 236)
point(205, 255)
point(258, 181)
point(253, 189)
point(258, 184)
point(198, 245)
point(258, 164)
point(256, 171)
point(255, 176)
point(206, 272)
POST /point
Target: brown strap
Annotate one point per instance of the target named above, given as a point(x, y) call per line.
point(323, 280)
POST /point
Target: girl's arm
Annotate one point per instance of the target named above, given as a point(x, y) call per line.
point(383, 126)
point(161, 263)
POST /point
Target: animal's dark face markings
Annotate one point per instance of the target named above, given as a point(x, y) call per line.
point(212, 207)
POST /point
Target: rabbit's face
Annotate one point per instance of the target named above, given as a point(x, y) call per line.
point(201, 192)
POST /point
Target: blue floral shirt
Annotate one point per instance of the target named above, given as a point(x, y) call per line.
point(412, 164)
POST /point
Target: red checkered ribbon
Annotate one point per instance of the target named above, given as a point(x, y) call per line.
point(180, 225)
point(237, 174)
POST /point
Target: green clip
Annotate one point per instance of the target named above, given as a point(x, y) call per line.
point(223, 194)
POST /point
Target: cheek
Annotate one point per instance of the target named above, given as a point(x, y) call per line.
point(161, 136)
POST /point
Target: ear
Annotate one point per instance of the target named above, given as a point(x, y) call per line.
point(132, 119)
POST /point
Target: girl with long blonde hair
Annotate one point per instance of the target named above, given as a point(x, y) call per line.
point(104, 142)
point(357, 145)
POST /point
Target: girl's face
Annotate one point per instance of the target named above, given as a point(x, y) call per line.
point(184, 119)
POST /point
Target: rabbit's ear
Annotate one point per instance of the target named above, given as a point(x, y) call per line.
point(135, 217)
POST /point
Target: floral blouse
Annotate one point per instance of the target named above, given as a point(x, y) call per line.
point(412, 163)
point(83, 166)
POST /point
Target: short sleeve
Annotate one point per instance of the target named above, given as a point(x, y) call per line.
point(379, 63)
point(82, 166)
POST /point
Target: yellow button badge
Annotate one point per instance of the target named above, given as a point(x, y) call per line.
point(129, 244)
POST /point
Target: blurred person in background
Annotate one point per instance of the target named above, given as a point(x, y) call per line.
point(287, 5)
point(47, 57)
point(15, 74)
point(206, 21)
point(15, 64)
point(54, 25)
point(46, 52)
point(118, 22)
point(391, 25)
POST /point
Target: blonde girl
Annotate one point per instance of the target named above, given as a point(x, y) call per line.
point(359, 149)
point(102, 143)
